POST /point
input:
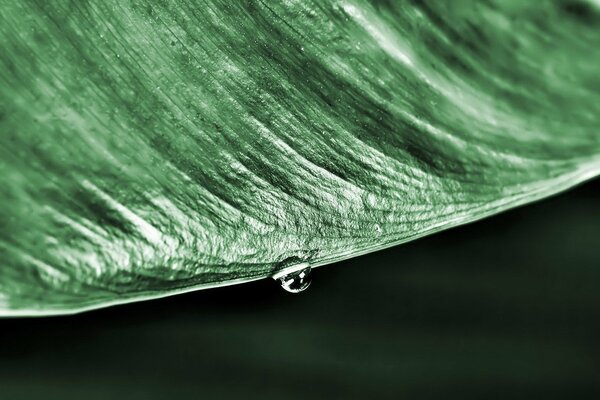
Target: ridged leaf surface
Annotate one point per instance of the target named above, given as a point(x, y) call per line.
point(153, 147)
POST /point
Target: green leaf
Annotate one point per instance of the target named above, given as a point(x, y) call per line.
point(154, 147)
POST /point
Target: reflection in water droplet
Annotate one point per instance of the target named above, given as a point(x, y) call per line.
point(296, 279)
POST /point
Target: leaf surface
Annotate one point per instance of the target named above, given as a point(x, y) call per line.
point(154, 147)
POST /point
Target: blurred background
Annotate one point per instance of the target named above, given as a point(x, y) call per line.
point(508, 306)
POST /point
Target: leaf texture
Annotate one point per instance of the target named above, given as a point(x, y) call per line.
point(154, 147)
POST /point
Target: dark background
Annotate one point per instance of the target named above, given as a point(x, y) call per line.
point(508, 306)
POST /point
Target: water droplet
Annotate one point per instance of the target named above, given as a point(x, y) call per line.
point(295, 279)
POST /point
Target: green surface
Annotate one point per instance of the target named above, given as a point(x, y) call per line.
point(153, 147)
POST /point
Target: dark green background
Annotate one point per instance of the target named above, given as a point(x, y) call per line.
point(504, 308)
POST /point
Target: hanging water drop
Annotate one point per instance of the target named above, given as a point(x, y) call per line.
point(294, 279)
